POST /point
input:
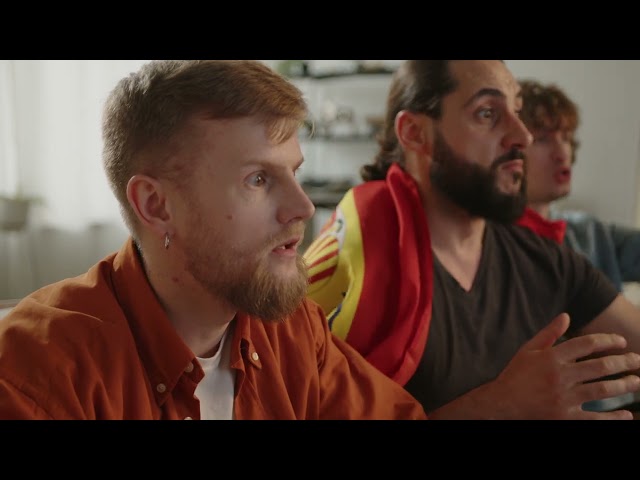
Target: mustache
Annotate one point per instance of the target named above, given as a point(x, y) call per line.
point(295, 230)
point(513, 154)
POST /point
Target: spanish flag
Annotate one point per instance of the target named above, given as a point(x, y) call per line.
point(371, 270)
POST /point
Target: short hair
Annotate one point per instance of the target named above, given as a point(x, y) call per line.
point(418, 86)
point(547, 107)
point(148, 109)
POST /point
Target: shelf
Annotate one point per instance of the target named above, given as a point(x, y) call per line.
point(326, 193)
point(358, 73)
point(13, 213)
point(325, 199)
point(338, 139)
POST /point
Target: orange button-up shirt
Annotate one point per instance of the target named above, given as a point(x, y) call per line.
point(100, 346)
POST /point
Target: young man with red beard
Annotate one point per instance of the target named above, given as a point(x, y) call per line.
point(422, 270)
point(201, 314)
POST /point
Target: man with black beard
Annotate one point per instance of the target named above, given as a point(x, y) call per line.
point(202, 313)
point(429, 272)
point(473, 187)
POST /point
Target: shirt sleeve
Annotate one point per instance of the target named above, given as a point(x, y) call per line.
point(589, 291)
point(15, 405)
point(627, 244)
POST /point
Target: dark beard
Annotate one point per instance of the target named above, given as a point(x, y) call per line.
point(473, 187)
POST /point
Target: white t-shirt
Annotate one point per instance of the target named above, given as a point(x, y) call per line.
point(215, 391)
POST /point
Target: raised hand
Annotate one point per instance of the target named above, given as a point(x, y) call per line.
point(545, 380)
point(548, 382)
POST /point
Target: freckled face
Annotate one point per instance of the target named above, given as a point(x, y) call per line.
point(550, 159)
point(244, 216)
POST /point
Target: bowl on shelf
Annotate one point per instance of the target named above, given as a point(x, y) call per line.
point(375, 123)
point(14, 213)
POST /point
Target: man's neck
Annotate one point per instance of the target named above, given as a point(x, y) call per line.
point(199, 318)
point(542, 208)
point(451, 227)
point(456, 237)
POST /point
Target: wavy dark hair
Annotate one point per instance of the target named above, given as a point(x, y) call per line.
point(418, 86)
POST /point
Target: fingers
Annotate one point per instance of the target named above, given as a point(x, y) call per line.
point(613, 415)
point(603, 389)
point(550, 334)
point(586, 345)
point(593, 369)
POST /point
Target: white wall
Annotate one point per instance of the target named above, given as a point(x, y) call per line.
point(58, 106)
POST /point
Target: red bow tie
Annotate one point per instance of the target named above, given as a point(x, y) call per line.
point(553, 229)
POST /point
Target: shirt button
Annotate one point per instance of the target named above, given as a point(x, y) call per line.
point(255, 356)
point(161, 388)
point(189, 368)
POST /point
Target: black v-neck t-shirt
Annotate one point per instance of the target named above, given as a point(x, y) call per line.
point(523, 282)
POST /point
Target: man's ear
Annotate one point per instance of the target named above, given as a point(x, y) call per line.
point(414, 131)
point(149, 201)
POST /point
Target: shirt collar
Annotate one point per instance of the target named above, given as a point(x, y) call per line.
point(164, 355)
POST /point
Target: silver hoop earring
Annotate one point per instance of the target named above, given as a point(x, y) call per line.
point(167, 240)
